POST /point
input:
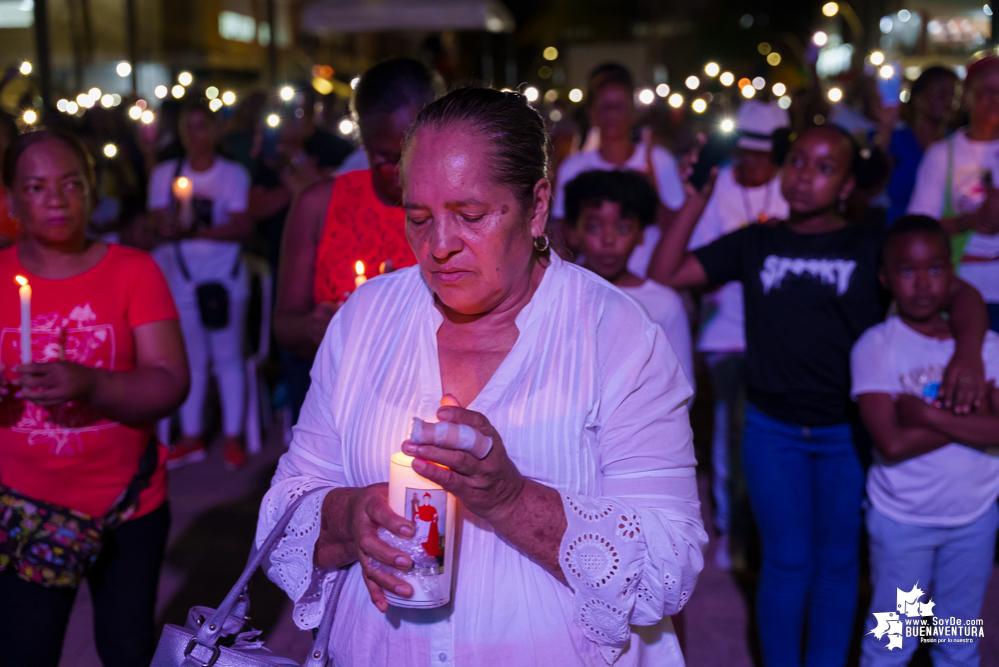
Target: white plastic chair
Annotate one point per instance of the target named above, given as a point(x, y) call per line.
point(259, 417)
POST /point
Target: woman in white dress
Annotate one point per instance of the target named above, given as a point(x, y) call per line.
point(579, 534)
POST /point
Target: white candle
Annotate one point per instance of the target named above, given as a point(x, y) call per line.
point(359, 270)
point(25, 293)
point(183, 191)
point(408, 491)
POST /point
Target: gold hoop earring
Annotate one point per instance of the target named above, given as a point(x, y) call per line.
point(541, 243)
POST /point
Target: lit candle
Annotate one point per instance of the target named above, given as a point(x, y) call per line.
point(25, 293)
point(359, 270)
point(432, 510)
point(183, 191)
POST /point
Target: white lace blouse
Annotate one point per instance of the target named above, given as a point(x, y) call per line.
point(590, 401)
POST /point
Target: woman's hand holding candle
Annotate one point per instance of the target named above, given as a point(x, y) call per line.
point(487, 487)
point(55, 383)
point(525, 512)
point(351, 519)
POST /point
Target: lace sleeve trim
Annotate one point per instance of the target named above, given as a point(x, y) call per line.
point(291, 561)
point(605, 558)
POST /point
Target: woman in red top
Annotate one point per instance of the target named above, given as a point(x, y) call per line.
point(107, 361)
point(357, 216)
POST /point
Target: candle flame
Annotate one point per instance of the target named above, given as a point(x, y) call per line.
point(359, 268)
point(183, 183)
point(21, 280)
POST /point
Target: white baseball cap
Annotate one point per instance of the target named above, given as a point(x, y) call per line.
point(756, 122)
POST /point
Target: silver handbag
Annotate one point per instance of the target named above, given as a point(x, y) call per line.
point(223, 637)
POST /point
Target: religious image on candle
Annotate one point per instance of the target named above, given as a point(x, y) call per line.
point(427, 508)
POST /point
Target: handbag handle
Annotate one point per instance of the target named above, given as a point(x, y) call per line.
point(211, 629)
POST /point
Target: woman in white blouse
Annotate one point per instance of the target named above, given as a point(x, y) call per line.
point(579, 534)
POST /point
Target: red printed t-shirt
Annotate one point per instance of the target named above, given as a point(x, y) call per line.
point(69, 454)
point(358, 227)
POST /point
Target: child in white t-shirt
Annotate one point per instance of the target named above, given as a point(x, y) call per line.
point(933, 486)
point(609, 211)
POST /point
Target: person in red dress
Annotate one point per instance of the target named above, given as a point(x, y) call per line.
point(427, 514)
point(356, 216)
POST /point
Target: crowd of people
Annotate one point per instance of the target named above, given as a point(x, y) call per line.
point(556, 291)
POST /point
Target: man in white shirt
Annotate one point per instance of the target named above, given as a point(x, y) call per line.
point(612, 111)
point(956, 184)
point(744, 193)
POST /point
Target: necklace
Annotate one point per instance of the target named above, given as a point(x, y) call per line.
point(762, 215)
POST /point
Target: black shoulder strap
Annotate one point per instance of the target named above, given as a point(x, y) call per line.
point(180, 261)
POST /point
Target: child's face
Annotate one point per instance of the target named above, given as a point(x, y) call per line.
point(817, 171)
point(917, 271)
point(607, 238)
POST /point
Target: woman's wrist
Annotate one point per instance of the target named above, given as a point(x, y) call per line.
point(505, 512)
point(93, 379)
point(336, 546)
